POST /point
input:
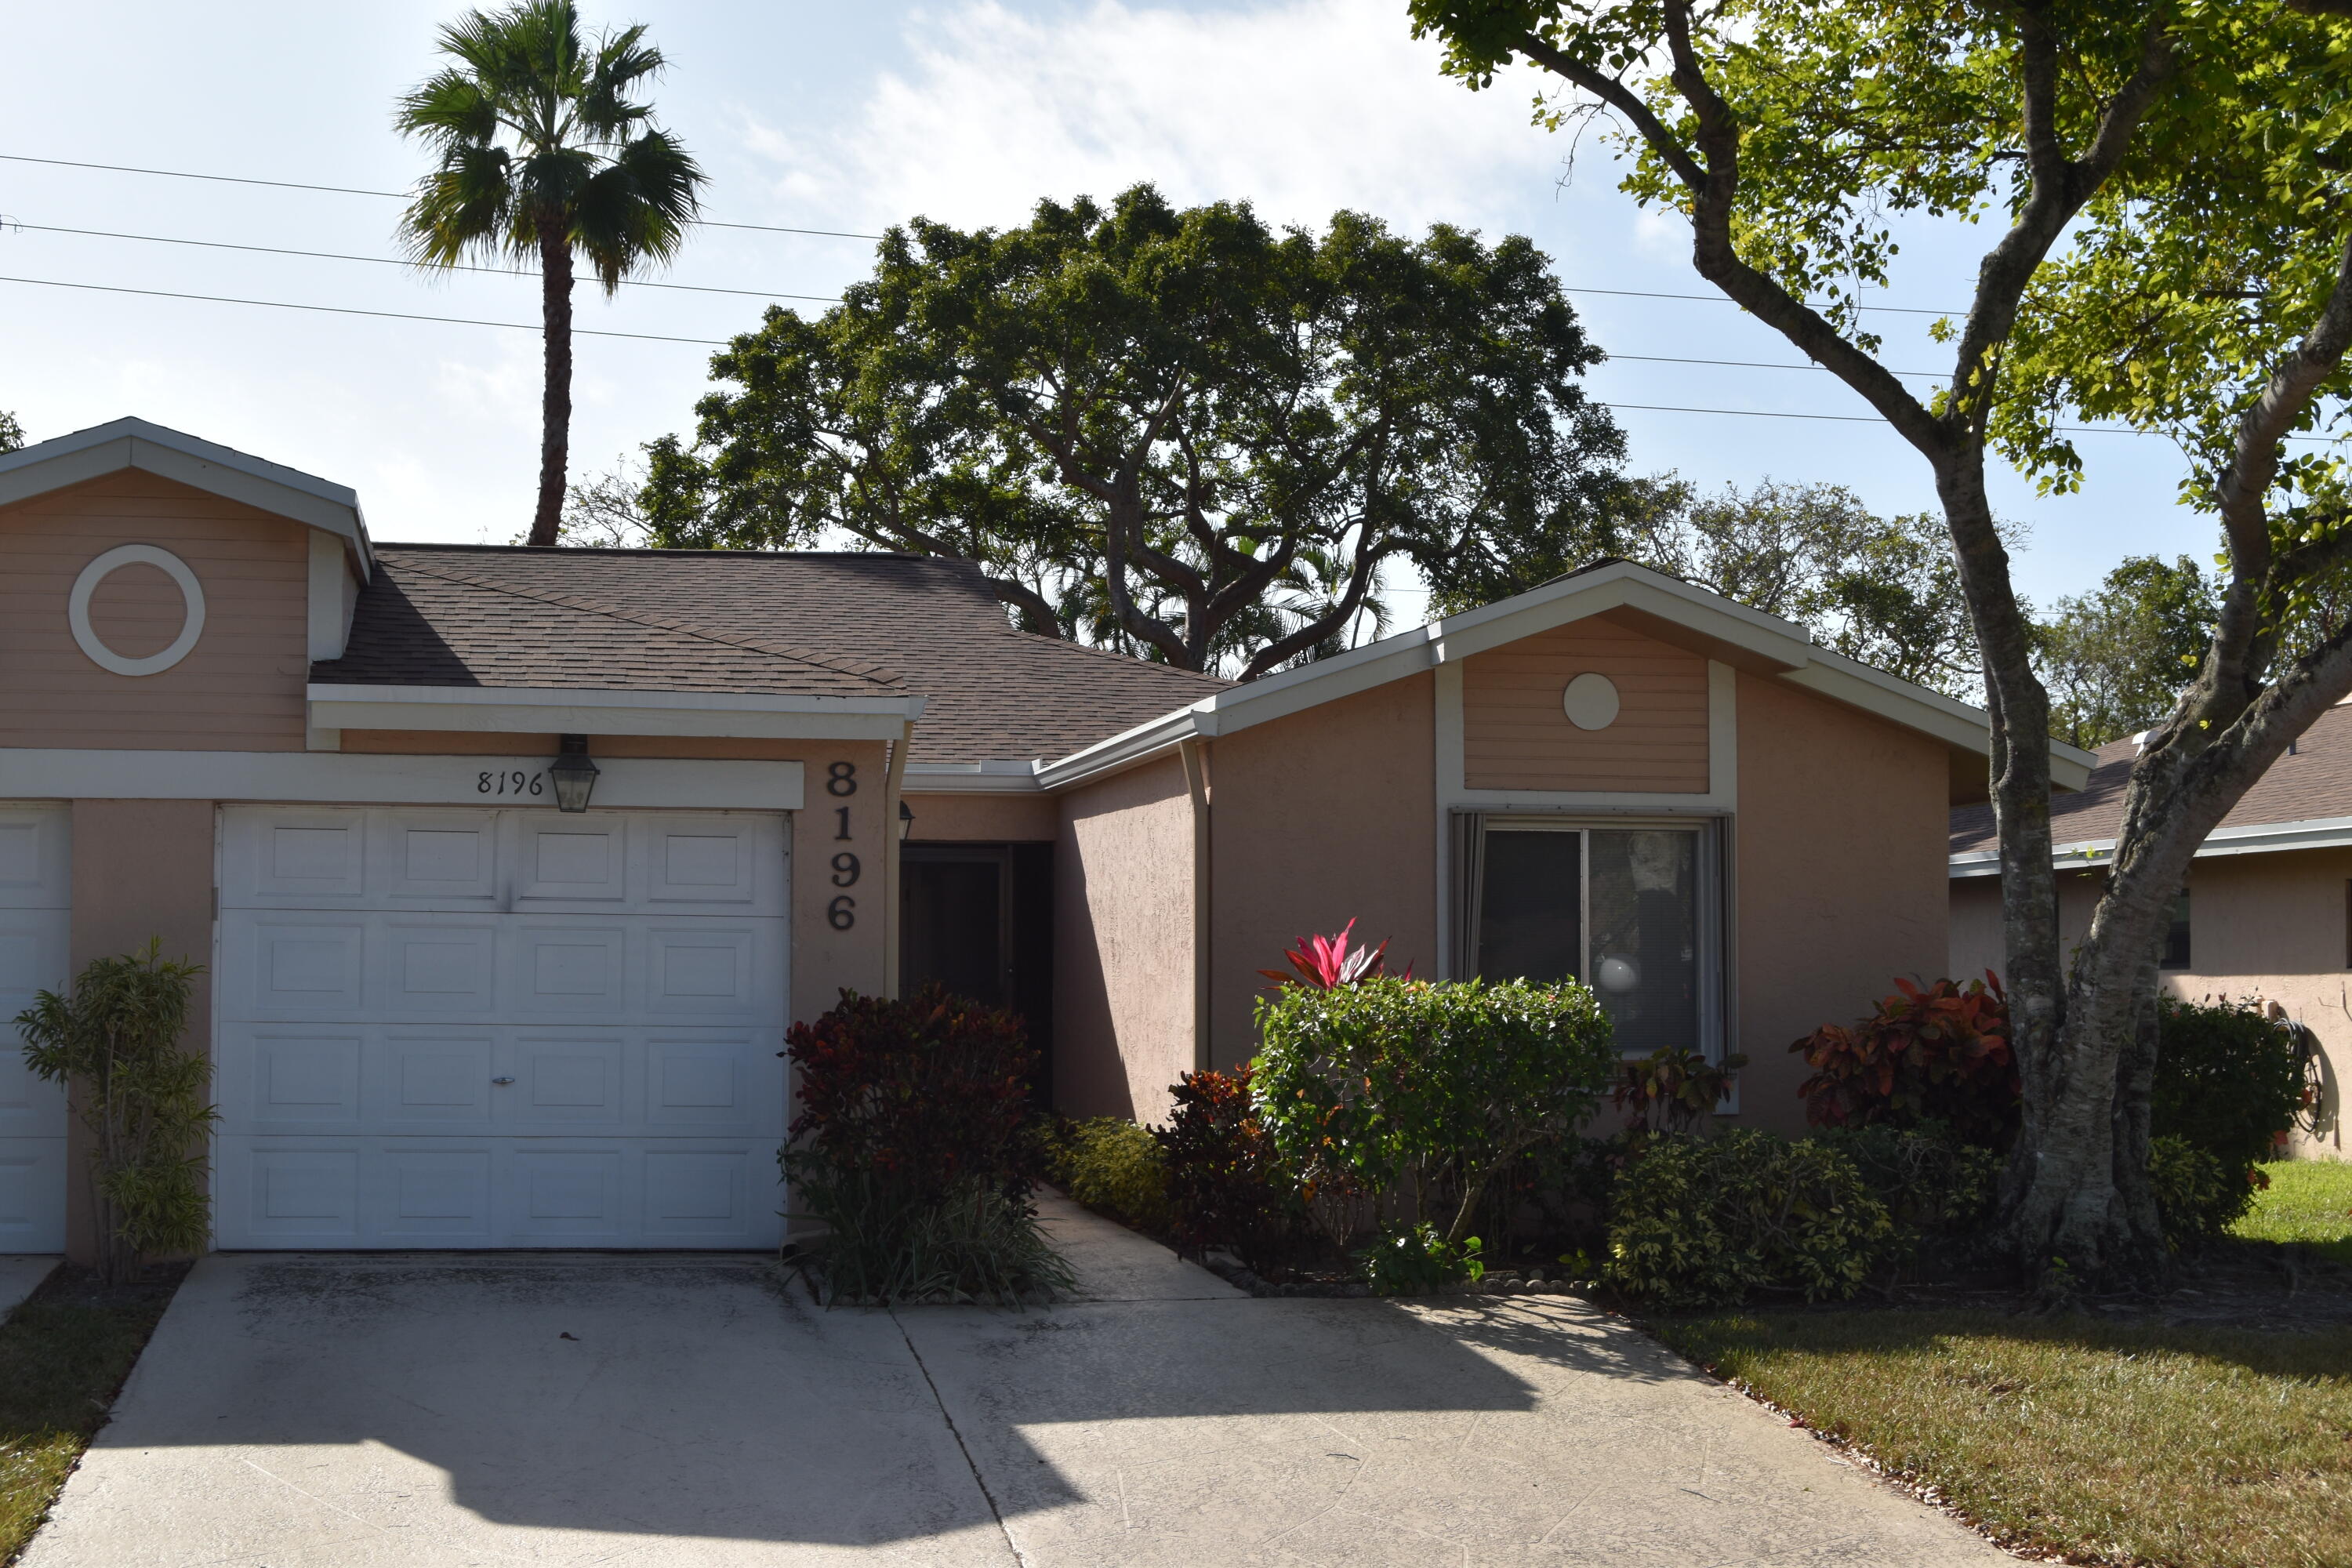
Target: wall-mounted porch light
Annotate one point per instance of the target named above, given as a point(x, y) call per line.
point(574, 774)
point(906, 819)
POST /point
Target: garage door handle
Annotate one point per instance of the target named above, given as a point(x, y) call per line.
point(502, 1080)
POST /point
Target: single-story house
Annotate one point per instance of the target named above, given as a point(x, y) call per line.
point(2267, 911)
point(511, 866)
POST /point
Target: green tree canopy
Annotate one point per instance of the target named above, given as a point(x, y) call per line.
point(2161, 185)
point(1181, 432)
point(2117, 660)
point(545, 155)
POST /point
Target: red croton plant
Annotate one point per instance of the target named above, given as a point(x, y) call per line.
point(1939, 1052)
point(1327, 962)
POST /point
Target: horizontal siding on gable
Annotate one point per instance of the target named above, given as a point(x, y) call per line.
point(1516, 736)
point(240, 688)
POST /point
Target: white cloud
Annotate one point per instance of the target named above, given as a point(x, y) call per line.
point(1301, 108)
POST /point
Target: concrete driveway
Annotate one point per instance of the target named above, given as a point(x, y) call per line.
point(299, 1411)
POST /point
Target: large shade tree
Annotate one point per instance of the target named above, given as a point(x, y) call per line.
point(2162, 189)
point(1182, 432)
point(546, 157)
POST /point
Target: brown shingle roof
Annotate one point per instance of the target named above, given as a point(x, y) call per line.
point(818, 623)
point(2315, 781)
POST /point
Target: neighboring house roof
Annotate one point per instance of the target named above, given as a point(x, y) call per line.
point(218, 470)
point(809, 622)
point(2305, 801)
point(1721, 627)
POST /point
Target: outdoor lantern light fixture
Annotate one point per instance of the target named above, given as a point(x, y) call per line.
point(906, 819)
point(574, 774)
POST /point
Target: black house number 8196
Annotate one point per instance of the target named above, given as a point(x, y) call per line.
point(841, 914)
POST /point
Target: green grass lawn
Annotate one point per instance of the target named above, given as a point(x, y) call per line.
point(63, 1357)
point(2193, 1448)
point(2309, 1201)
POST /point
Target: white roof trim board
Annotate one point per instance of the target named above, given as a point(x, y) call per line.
point(2252, 838)
point(565, 710)
point(1618, 585)
point(219, 470)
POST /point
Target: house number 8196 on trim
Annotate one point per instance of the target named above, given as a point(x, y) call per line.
point(509, 782)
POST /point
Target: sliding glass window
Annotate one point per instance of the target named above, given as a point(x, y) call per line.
point(1630, 911)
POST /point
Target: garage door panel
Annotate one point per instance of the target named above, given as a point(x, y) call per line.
point(434, 1198)
point(32, 1195)
point(289, 968)
point(714, 864)
point(706, 1084)
point(293, 1079)
point(566, 1082)
point(439, 860)
point(575, 966)
point(292, 857)
point(579, 859)
point(572, 1194)
point(708, 1197)
point(435, 1080)
point(446, 967)
point(297, 1194)
point(32, 960)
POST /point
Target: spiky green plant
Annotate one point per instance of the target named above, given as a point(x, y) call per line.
point(114, 1041)
point(545, 155)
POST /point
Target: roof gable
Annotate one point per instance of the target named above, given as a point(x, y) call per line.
point(202, 465)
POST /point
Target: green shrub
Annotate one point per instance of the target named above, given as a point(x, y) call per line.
point(2199, 1196)
point(1672, 1091)
point(1931, 1182)
point(1698, 1224)
point(910, 1149)
point(114, 1040)
point(2229, 1078)
point(1117, 1167)
point(1391, 1081)
point(1228, 1185)
point(1939, 1053)
point(1416, 1260)
point(884, 1243)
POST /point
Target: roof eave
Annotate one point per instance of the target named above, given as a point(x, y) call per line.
point(506, 710)
point(2251, 839)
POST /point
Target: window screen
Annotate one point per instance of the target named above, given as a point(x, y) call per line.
point(2176, 939)
point(1615, 907)
point(1643, 911)
point(1531, 907)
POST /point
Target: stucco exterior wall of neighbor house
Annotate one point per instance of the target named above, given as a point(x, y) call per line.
point(1515, 735)
point(2274, 926)
point(824, 959)
point(1124, 919)
point(1840, 876)
point(984, 818)
point(142, 870)
point(1316, 818)
point(240, 688)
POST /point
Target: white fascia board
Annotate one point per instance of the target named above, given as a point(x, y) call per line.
point(1129, 747)
point(346, 778)
point(2253, 838)
point(993, 778)
point(554, 709)
point(219, 470)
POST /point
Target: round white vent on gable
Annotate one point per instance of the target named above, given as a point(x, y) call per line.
point(171, 566)
point(1591, 701)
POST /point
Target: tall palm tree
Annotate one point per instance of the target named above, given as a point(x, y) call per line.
point(545, 155)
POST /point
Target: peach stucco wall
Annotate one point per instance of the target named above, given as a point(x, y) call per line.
point(1840, 875)
point(1123, 943)
point(240, 688)
point(984, 818)
point(2273, 926)
point(1316, 818)
point(141, 868)
point(824, 960)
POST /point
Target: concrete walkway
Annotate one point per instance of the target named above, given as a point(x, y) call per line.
point(21, 1274)
point(299, 1411)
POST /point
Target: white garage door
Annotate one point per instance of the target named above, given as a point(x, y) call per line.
point(35, 900)
point(500, 1028)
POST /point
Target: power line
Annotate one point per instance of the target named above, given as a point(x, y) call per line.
point(354, 310)
point(355, 191)
point(1726, 300)
point(720, 342)
point(395, 261)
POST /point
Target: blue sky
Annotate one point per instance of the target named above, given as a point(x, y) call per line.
point(840, 117)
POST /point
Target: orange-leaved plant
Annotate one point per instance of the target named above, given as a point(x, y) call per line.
point(1938, 1052)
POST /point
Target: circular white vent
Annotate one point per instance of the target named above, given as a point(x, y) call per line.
point(171, 566)
point(1591, 701)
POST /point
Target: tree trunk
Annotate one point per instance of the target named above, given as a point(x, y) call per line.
point(555, 438)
